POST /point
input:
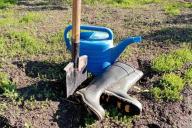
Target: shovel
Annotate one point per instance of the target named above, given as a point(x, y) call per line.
point(76, 72)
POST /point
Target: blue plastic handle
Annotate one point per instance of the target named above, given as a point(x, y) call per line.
point(86, 27)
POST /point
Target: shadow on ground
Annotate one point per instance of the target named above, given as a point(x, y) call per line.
point(181, 19)
point(43, 5)
point(51, 87)
point(172, 35)
point(4, 123)
point(180, 33)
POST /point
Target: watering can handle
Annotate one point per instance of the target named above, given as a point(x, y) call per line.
point(85, 27)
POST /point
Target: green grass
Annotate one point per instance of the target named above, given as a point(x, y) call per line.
point(172, 9)
point(8, 88)
point(118, 117)
point(12, 17)
point(8, 17)
point(165, 63)
point(185, 55)
point(122, 3)
point(31, 17)
point(172, 61)
point(8, 21)
point(169, 88)
point(111, 114)
point(24, 43)
point(7, 3)
point(3, 107)
point(2, 45)
point(57, 38)
point(188, 76)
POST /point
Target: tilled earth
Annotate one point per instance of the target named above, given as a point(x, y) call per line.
point(161, 33)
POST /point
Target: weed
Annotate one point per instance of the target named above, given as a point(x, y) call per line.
point(185, 55)
point(31, 103)
point(166, 63)
point(188, 76)
point(9, 89)
point(172, 61)
point(118, 117)
point(112, 114)
point(172, 9)
point(30, 17)
point(187, 5)
point(169, 88)
point(3, 107)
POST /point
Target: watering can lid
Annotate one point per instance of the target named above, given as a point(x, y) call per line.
point(94, 36)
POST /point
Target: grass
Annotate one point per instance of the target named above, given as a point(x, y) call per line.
point(111, 114)
point(11, 17)
point(57, 38)
point(169, 88)
point(7, 3)
point(117, 116)
point(7, 87)
point(25, 44)
point(122, 3)
point(165, 63)
point(8, 17)
point(31, 17)
point(172, 9)
point(3, 107)
point(31, 104)
point(188, 76)
point(172, 61)
point(171, 85)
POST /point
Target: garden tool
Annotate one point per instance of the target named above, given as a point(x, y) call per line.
point(111, 77)
point(76, 71)
point(117, 93)
point(97, 43)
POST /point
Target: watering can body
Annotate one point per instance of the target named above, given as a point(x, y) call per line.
point(97, 43)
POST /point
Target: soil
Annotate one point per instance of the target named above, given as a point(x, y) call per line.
point(52, 109)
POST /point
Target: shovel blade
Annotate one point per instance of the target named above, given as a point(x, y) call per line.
point(75, 77)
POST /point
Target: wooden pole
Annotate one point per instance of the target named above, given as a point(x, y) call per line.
point(76, 21)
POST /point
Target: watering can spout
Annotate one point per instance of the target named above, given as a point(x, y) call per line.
point(117, 51)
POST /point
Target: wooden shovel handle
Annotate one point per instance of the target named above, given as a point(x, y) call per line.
point(76, 21)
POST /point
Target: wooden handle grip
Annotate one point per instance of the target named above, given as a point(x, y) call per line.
point(76, 19)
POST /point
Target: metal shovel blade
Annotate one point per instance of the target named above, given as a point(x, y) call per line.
point(75, 77)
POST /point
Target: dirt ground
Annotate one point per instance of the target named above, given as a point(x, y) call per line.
point(161, 33)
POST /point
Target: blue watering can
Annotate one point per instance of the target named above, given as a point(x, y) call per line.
point(97, 43)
